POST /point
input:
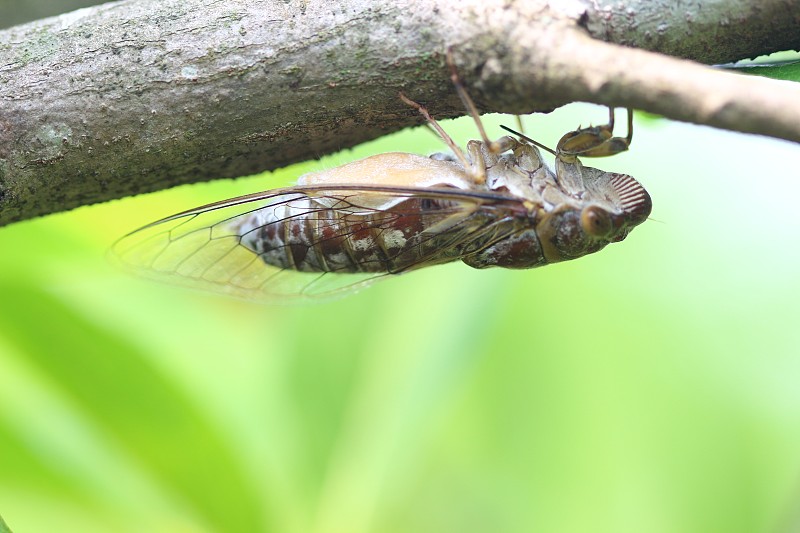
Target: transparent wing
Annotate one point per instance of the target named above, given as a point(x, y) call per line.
point(202, 248)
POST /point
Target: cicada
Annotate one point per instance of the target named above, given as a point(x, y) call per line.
point(495, 205)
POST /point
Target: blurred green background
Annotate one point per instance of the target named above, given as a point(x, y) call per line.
point(650, 387)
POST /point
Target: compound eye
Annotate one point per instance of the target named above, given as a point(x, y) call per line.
point(596, 221)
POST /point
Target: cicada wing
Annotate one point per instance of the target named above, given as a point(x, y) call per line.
point(203, 248)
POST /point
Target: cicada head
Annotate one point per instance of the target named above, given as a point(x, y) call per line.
point(589, 208)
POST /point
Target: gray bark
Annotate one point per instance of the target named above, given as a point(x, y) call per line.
point(711, 31)
point(140, 95)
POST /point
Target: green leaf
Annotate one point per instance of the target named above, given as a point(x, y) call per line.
point(780, 70)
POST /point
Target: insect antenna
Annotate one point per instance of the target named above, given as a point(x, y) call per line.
point(525, 137)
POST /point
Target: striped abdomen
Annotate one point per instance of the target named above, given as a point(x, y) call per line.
point(345, 234)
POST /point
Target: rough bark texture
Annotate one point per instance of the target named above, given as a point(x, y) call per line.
point(141, 95)
point(711, 31)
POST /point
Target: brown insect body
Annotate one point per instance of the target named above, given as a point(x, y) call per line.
point(538, 223)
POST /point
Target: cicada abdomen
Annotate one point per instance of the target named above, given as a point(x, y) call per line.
point(344, 234)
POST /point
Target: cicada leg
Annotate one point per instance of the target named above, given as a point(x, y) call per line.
point(479, 154)
point(437, 128)
point(595, 141)
point(474, 165)
point(487, 152)
point(469, 104)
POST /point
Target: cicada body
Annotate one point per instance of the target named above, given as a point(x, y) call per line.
point(393, 214)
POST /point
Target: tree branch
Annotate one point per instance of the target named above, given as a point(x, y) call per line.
point(141, 95)
point(712, 31)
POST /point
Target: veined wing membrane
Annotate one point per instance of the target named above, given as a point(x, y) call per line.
point(207, 247)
